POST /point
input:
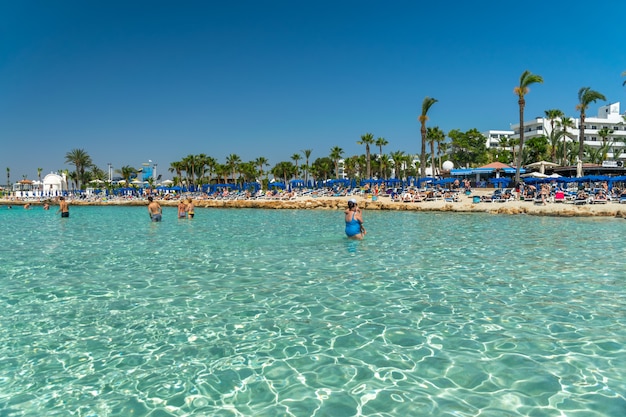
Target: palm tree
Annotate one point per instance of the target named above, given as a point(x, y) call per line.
point(190, 162)
point(586, 96)
point(367, 139)
point(426, 105)
point(398, 158)
point(295, 158)
point(126, 172)
point(233, 161)
point(552, 115)
point(380, 142)
point(624, 75)
point(8, 178)
point(335, 155)
point(261, 162)
point(307, 155)
point(210, 163)
point(81, 160)
point(39, 177)
point(284, 170)
point(604, 133)
point(434, 134)
point(526, 79)
point(566, 123)
point(177, 167)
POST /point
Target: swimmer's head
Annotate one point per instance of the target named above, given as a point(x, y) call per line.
point(351, 203)
point(150, 199)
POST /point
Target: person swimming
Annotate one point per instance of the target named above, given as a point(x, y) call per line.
point(354, 221)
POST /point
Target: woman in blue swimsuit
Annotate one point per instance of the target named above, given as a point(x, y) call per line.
point(354, 221)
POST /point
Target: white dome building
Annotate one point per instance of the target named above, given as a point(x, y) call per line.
point(54, 185)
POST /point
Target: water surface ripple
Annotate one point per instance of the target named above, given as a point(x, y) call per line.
point(274, 313)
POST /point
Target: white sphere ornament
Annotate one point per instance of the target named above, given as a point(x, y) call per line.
point(448, 165)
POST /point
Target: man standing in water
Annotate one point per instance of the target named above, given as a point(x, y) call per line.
point(154, 210)
point(64, 208)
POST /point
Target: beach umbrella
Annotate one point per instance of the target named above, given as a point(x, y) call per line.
point(542, 165)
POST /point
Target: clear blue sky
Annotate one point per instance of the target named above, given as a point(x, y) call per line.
point(132, 81)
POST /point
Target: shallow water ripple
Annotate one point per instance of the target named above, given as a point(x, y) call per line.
point(246, 313)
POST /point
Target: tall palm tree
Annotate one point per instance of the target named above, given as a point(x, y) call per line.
point(566, 123)
point(398, 158)
point(211, 163)
point(426, 105)
point(367, 139)
point(525, 80)
point(552, 115)
point(586, 96)
point(335, 155)
point(261, 162)
point(8, 178)
point(178, 168)
point(307, 155)
point(380, 142)
point(81, 160)
point(39, 177)
point(624, 75)
point(126, 172)
point(233, 161)
point(295, 158)
point(190, 162)
point(434, 134)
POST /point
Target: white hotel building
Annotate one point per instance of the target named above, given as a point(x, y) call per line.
point(608, 116)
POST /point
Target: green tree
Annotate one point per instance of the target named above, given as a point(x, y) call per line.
point(284, 170)
point(350, 166)
point(177, 167)
point(586, 96)
point(399, 159)
point(126, 172)
point(423, 117)
point(307, 155)
point(566, 124)
point(367, 139)
point(552, 115)
point(261, 162)
point(536, 149)
point(526, 79)
point(321, 168)
point(233, 161)
point(81, 160)
point(434, 135)
point(8, 179)
point(335, 155)
point(295, 158)
point(469, 148)
point(380, 142)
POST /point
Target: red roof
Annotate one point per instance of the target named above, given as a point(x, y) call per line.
point(496, 165)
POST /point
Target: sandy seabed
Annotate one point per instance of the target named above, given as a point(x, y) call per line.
point(465, 205)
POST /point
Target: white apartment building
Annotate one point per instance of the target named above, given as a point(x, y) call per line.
point(495, 136)
point(608, 116)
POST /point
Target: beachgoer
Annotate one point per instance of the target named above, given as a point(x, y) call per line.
point(27, 206)
point(154, 210)
point(182, 209)
point(64, 208)
point(46, 206)
point(190, 208)
point(354, 221)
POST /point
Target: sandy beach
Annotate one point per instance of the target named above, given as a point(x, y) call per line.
point(465, 205)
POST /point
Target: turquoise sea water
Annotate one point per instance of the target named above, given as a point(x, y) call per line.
point(275, 313)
